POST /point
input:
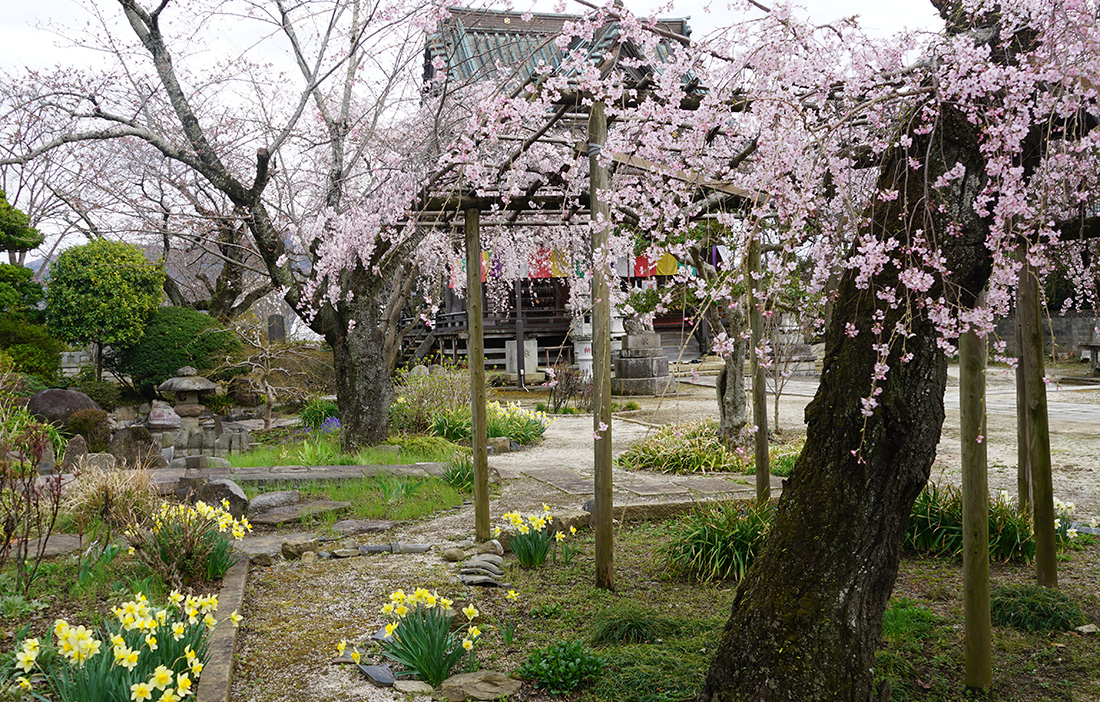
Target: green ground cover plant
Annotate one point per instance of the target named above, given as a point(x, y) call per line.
point(718, 543)
point(692, 447)
point(375, 497)
point(1034, 608)
point(510, 420)
point(322, 447)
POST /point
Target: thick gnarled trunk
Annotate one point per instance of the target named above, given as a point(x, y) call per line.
point(807, 619)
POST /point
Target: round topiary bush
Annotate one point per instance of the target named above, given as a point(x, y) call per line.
point(175, 337)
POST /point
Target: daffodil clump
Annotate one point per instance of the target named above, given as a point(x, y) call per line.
point(189, 544)
point(419, 636)
point(531, 538)
point(145, 653)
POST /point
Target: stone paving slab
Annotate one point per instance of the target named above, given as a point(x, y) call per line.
point(650, 488)
point(298, 512)
point(575, 487)
point(713, 484)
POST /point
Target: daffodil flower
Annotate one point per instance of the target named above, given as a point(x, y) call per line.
point(141, 691)
point(161, 678)
point(183, 685)
point(470, 611)
point(512, 595)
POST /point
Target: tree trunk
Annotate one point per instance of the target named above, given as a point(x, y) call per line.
point(364, 388)
point(732, 411)
point(807, 618)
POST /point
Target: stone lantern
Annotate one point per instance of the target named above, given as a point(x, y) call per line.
point(188, 386)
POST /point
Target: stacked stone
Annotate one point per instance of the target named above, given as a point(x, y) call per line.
point(642, 368)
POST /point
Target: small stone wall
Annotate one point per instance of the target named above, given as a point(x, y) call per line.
point(1061, 333)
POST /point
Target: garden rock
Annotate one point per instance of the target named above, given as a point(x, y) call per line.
point(490, 558)
point(453, 555)
point(380, 675)
point(482, 685)
point(1087, 629)
point(48, 463)
point(163, 418)
point(218, 463)
point(100, 461)
point(413, 687)
point(492, 546)
point(261, 559)
point(295, 547)
point(499, 444)
point(55, 405)
point(324, 555)
point(213, 492)
point(300, 511)
point(270, 500)
point(309, 557)
point(482, 569)
point(75, 453)
point(479, 580)
point(566, 518)
point(346, 553)
point(135, 447)
point(352, 527)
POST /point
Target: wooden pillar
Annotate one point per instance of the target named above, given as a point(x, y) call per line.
point(1038, 428)
point(601, 353)
point(1023, 449)
point(520, 370)
point(475, 356)
point(759, 388)
point(975, 492)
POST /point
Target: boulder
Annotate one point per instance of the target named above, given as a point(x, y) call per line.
point(295, 547)
point(413, 687)
point(453, 555)
point(270, 500)
point(163, 418)
point(100, 461)
point(482, 685)
point(135, 447)
point(75, 452)
point(492, 546)
point(56, 405)
point(499, 444)
point(47, 464)
point(213, 492)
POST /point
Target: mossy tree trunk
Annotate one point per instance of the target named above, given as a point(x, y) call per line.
point(807, 618)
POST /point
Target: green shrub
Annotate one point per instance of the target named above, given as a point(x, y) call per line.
point(94, 425)
point(31, 347)
point(935, 526)
point(316, 411)
point(218, 404)
point(718, 543)
point(104, 393)
point(458, 472)
point(682, 448)
point(175, 337)
point(425, 448)
point(420, 396)
point(562, 667)
point(1034, 608)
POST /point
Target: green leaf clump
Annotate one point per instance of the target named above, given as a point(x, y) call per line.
point(562, 667)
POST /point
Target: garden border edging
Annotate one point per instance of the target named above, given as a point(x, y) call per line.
point(217, 674)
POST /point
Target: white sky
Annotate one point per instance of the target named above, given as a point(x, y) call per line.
point(25, 40)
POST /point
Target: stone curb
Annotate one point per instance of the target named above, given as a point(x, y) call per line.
point(217, 674)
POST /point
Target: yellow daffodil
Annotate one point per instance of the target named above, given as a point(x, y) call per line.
point(470, 611)
point(178, 631)
point(24, 684)
point(31, 645)
point(467, 644)
point(210, 621)
point(235, 618)
point(151, 642)
point(161, 678)
point(559, 536)
point(176, 597)
point(196, 668)
point(128, 660)
point(183, 685)
point(474, 632)
point(168, 696)
point(356, 656)
point(572, 530)
point(397, 596)
point(387, 608)
point(401, 610)
point(445, 603)
point(341, 647)
point(390, 628)
point(545, 507)
point(141, 691)
point(512, 595)
point(25, 660)
point(189, 654)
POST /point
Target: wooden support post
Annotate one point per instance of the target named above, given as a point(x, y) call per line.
point(1023, 449)
point(759, 389)
point(520, 370)
point(601, 351)
point(975, 493)
point(1038, 428)
point(475, 356)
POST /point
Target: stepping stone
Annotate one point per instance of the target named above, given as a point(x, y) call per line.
point(369, 549)
point(413, 687)
point(346, 553)
point(380, 675)
point(299, 512)
point(490, 558)
point(480, 580)
point(482, 569)
point(352, 527)
point(379, 635)
point(453, 555)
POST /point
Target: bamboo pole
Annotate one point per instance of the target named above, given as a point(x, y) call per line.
point(975, 492)
point(759, 389)
point(1038, 428)
point(601, 352)
point(475, 356)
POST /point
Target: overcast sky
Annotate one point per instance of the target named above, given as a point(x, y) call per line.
point(25, 39)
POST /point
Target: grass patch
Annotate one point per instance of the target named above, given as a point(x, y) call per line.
point(305, 448)
point(692, 447)
point(719, 542)
point(1034, 608)
point(383, 496)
